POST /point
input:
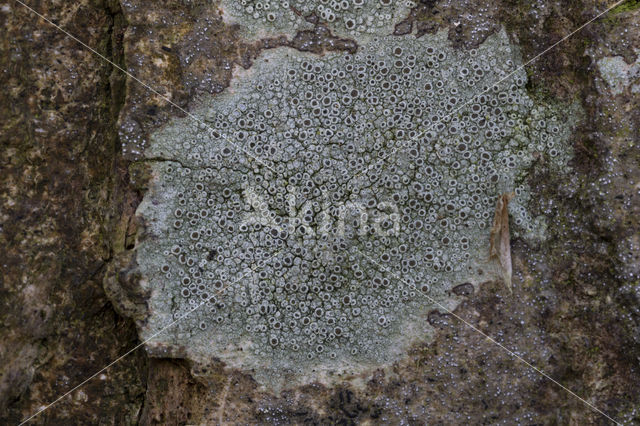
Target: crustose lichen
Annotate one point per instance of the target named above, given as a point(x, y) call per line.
point(311, 305)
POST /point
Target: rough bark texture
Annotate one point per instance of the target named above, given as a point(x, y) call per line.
point(68, 193)
point(62, 193)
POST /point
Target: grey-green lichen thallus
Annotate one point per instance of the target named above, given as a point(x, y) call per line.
point(270, 243)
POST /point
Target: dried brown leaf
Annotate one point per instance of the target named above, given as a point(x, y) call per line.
point(500, 248)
